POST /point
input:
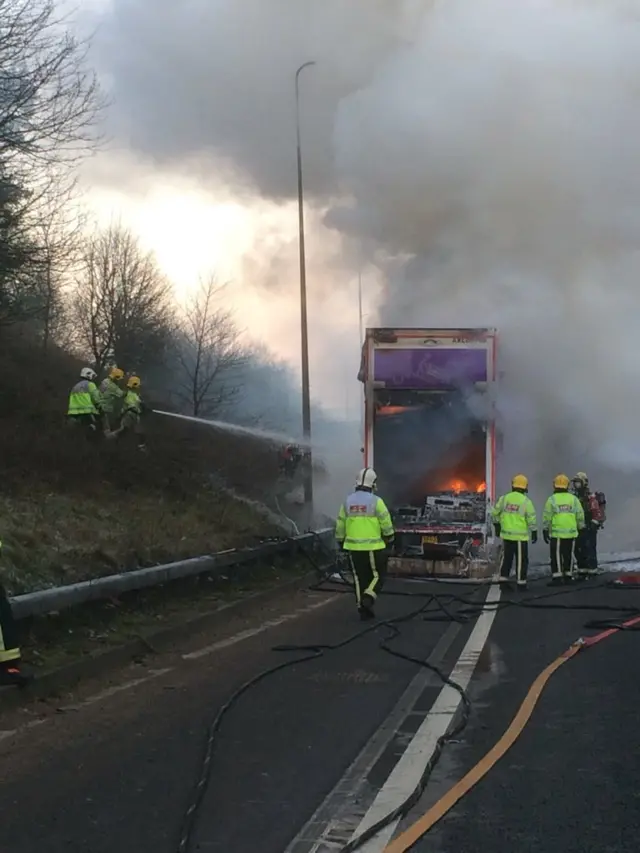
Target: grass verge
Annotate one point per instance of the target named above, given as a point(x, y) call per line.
point(54, 539)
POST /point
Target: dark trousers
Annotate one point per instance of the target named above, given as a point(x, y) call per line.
point(9, 649)
point(88, 423)
point(517, 552)
point(561, 552)
point(369, 572)
point(587, 549)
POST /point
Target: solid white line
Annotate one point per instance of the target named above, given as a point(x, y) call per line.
point(259, 629)
point(405, 776)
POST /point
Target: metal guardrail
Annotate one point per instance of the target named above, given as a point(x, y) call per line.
point(62, 597)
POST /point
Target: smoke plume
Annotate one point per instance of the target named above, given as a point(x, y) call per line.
point(486, 148)
point(494, 161)
point(210, 85)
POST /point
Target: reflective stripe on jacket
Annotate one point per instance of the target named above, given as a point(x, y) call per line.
point(363, 520)
point(111, 395)
point(516, 515)
point(84, 398)
point(563, 516)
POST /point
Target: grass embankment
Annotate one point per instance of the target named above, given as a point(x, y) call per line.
point(71, 509)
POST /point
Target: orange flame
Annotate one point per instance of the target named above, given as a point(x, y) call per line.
point(392, 410)
point(458, 486)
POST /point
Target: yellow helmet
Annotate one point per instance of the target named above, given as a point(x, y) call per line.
point(116, 374)
point(133, 382)
point(561, 481)
point(519, 482)
point(582, 477)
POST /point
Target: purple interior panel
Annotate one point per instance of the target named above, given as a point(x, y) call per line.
point(429, 368)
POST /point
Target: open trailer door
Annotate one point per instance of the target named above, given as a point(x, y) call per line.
point(430, 433)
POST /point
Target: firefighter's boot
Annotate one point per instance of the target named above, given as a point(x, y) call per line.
point(366, 607)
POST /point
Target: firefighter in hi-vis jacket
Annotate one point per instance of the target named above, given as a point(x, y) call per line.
point(562, 521)
point(365, 531)
point(514, 519)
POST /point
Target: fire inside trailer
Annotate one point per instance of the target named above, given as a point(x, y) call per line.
point(430, 436)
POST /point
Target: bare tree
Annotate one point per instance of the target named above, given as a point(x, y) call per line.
point(210, 352)
point(122, 302)
point(49, 97)
point(57, 230)
point(49, 100)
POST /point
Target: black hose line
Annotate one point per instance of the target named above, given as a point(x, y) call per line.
point(312, 652)
point(435, 607)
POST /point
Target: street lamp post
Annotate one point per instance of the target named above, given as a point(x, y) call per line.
point(306, 399)
point(361, 333)
point(360, 329)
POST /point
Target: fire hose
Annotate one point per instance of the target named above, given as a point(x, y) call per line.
point(434, 607)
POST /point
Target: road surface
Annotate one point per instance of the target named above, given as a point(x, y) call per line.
point(322, 748)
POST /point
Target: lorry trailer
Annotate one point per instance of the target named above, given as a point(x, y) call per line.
point(430, 432)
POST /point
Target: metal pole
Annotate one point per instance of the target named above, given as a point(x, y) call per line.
point(360, 306)
point(361, 333)
point(304, 338)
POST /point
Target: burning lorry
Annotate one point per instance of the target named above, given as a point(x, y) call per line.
point(430, 433)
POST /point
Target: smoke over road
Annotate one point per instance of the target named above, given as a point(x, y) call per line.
point(484, 158)
point(493, 160)
point(209, 85)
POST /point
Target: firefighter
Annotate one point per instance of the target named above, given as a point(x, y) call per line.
point(132, 410)
point(514, 519)
point(562, 519)
point(365, 531)
point(593, 506)
point(10, 671)
point(85, 405)
point(290, 458)
point(112, 397)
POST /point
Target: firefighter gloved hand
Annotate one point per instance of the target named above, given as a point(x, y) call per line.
point(545, 536)
point(497, 528)
point(534, 537)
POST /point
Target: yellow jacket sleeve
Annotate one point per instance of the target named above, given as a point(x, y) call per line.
point(532, 521)
point(496, 512)
point(383, 516)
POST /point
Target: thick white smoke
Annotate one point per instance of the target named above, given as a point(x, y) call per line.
point(499, 152)
point(490, 148)
point(209, 86)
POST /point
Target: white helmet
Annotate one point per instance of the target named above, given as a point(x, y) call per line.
point(87, 373)
point(367, 479)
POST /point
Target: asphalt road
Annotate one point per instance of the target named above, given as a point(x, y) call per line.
point(570, 782)
point(116, 772)
point(303, 754)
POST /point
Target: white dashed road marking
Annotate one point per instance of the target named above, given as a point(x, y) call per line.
point(158, 673)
